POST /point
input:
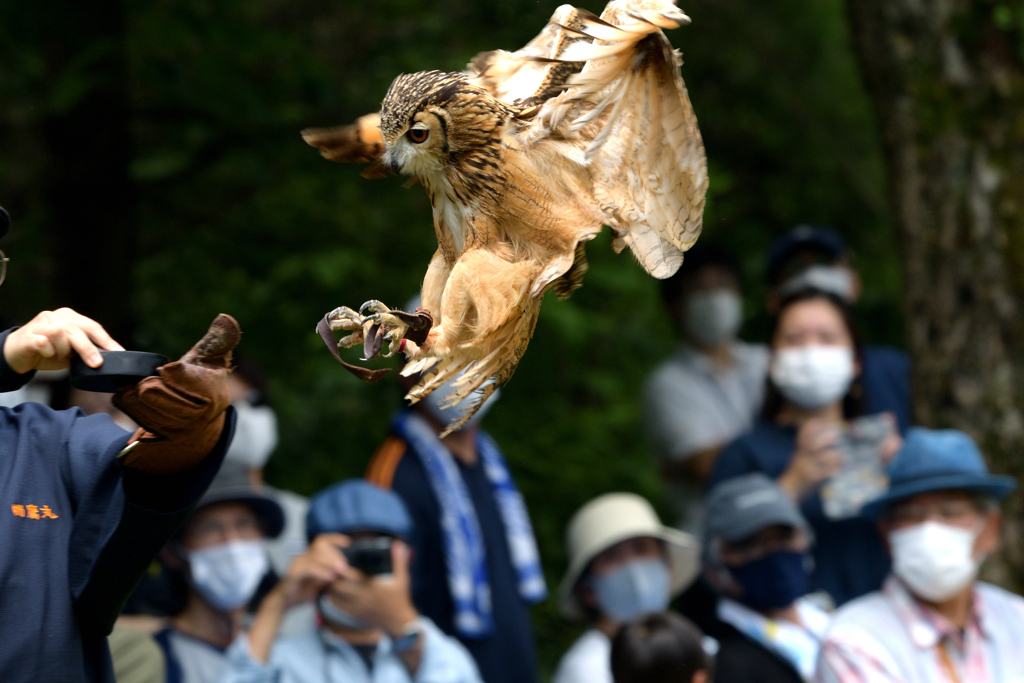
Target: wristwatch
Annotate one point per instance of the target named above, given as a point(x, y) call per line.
point(410, 637)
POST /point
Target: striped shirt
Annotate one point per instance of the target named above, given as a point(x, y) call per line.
point(890, 637)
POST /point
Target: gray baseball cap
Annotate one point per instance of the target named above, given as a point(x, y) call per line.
point(738, 508)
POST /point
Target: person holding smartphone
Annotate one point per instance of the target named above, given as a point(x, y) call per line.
point(356, 572)
point(814, 398)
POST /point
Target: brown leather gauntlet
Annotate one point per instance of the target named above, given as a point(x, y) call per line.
point(181, 411)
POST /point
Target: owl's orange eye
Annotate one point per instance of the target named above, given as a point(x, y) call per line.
point(418, 135)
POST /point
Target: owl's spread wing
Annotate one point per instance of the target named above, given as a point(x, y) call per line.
point(628, 109)
point(536, 72)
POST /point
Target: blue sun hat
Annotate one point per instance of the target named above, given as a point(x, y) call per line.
point(938, 460)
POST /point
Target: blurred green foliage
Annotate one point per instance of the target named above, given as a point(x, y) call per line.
point(235, 213)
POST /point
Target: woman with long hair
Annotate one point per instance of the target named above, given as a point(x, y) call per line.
point(813, 398)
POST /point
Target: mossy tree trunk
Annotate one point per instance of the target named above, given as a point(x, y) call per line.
point(946, 80)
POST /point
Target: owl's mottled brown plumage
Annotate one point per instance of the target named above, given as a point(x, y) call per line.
point(525, 156)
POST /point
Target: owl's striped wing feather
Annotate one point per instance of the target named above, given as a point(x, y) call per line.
point(536, 72)
point(629, 110)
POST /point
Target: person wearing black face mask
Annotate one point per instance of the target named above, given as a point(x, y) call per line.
point(756, 556)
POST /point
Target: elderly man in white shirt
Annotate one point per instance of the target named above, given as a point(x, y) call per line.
point(356, 571)
point(932, 622)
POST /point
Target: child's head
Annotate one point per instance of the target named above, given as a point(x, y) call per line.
point(660, 648)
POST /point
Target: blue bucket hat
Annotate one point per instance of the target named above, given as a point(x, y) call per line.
point(356, 505)
point(938, 460)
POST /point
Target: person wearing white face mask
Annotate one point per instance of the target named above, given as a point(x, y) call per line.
point(356, 573)
point(711, 388)
point(254, 442)
point(933, 621)
point(221, 553)
point(813, 257)
point(623, 564)
point(475, 567)
point(813, 394)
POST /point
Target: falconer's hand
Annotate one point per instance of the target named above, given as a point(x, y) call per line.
point(181, 410)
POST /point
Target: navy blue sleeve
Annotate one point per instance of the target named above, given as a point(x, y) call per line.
point(735, 460)
point(9, 379)
point(886, 380)
point(121, 524)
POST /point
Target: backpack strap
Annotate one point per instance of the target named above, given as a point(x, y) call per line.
point(381, 470)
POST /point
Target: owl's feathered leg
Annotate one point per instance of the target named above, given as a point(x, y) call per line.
point(486, 318)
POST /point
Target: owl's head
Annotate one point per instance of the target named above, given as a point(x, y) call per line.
point(429, 119)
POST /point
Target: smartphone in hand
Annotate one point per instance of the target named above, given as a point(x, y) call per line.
point(862, 476)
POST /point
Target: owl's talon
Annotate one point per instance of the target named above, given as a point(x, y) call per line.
point(373, 306)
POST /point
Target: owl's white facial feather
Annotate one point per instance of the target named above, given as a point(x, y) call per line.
point(412, 159)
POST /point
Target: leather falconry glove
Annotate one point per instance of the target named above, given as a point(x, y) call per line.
point(181, 410)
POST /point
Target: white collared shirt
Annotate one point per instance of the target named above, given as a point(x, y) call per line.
point(890, 637)
point(797, 644)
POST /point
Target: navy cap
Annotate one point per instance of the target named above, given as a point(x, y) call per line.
point(740, 507)
point(356, 505)
point(5, 221)
point(803, 236)
point(938, 460)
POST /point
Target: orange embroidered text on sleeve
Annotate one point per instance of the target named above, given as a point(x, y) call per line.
point(34, 511)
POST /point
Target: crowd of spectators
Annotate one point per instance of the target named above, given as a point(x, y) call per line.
point(817, 535)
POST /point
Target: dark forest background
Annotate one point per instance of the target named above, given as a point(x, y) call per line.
point(150, 155)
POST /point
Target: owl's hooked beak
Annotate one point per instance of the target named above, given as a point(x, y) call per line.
point(385, 165)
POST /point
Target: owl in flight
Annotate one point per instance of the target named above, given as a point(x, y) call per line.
point(525, 156)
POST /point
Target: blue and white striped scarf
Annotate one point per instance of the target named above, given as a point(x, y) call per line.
point(465, 555)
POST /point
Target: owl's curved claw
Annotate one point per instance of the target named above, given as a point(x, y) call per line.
point(345, 319)
point(376, 309)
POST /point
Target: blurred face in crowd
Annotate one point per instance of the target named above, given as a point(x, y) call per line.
point(813, 359)
point(938, 539)
point(226, 554)
point(627, 580)
point(710, 308)
point(770, 568)
point(811, 322)
point(221, 523)
point(343, 593)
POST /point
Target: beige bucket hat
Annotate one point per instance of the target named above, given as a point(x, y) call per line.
point(610, 519)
